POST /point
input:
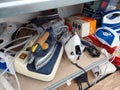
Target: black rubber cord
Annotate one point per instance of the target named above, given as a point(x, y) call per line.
point(82, 78)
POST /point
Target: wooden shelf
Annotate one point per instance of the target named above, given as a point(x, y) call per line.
point(74, 86)
point(112, 82)
point(66, 71)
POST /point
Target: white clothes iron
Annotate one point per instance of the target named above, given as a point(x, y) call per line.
point(73, 48)
point(112, 20)
point(45, 57)
point(107, 36)
point(45, 73)
point(43, 50)
point(42, 60)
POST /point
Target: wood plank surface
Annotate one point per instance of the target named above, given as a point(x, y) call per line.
point(64, 70)
point(74, 85)
point(112, 82)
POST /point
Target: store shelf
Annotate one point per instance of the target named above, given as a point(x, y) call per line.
point(17, 7)
point(66, 71)
point(74, 85)
point(111, 82)
point(88, 65)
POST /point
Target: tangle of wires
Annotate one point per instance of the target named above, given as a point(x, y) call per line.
point(82, 78)
point(92, 50)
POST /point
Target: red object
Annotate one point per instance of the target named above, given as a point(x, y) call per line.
point(104, 4)
point(116, 61)
point(70, 27)
point(96, 42)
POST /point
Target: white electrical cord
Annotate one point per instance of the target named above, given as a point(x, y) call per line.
point(20, 44)
point(11, 64)
point(1, 75)
point(12, 72)
point(104, 51)
point(117, 50)
point(99, 76)
point(22, 29)
point(15, 40)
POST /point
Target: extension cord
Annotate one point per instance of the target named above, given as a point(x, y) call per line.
point(7, 34)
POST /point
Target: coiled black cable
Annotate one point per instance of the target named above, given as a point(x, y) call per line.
point(82, 78)
point(93, 51)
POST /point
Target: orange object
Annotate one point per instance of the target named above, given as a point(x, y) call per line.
point(83, 25)
point(41, 42)
point(43, 38)
point(92, 23)
point(23, 56)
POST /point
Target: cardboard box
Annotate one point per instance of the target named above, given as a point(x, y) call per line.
point(83, 25)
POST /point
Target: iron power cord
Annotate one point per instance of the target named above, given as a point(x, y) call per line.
point(81, 78)
point(93, 51)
